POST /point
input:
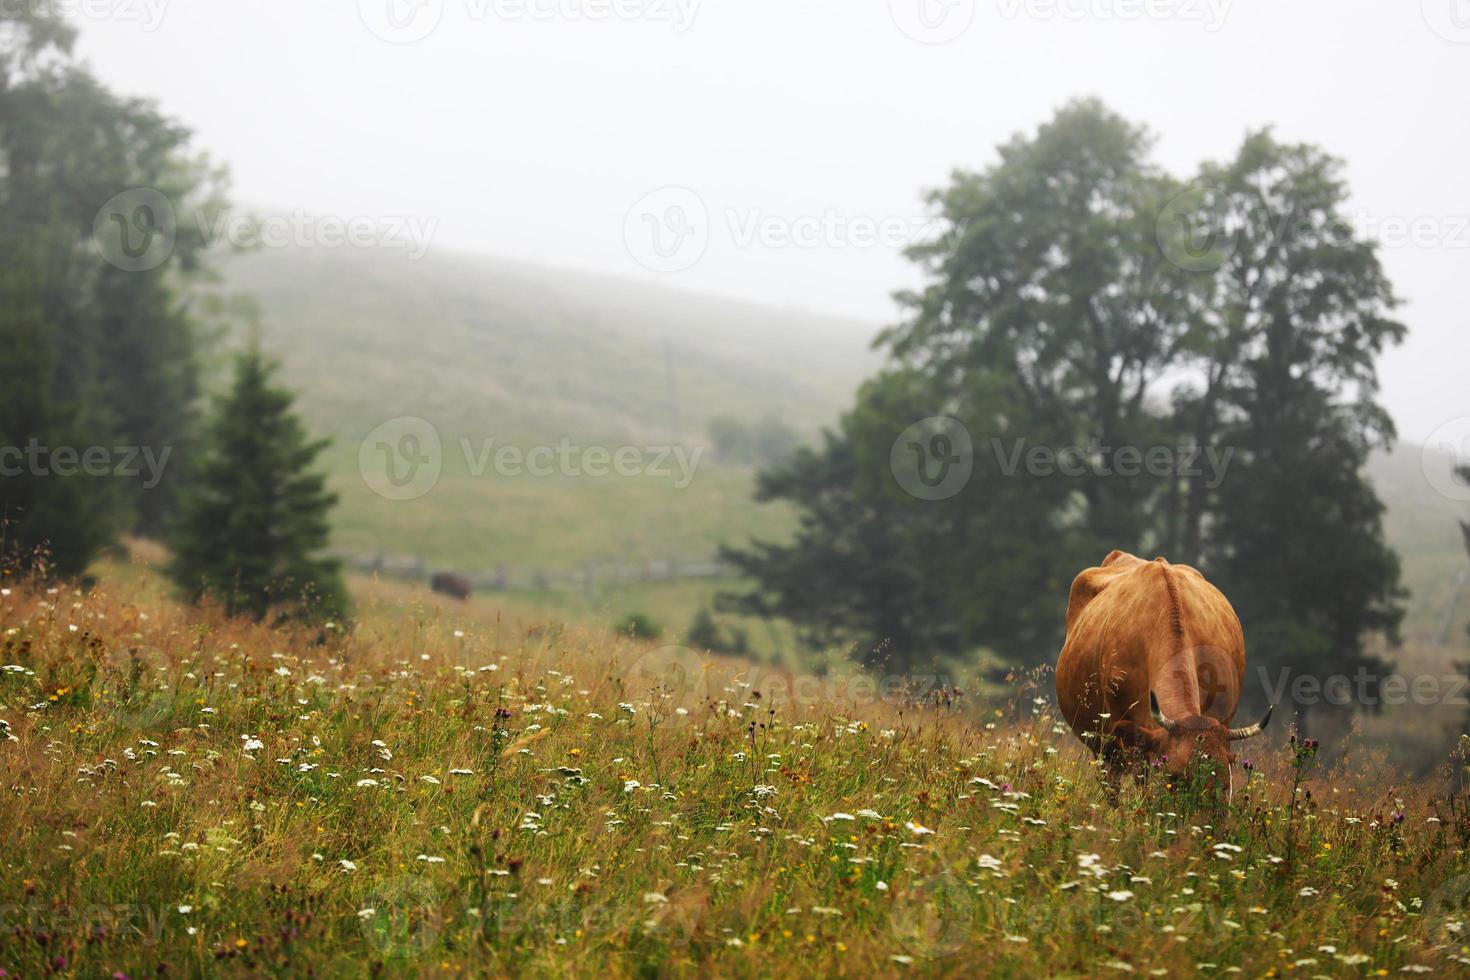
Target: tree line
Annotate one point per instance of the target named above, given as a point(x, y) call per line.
point(108, 319)
point(1195, 357)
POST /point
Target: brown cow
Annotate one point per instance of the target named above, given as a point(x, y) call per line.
point(1152, 665)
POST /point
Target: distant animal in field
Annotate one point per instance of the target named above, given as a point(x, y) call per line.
point(1152, 667)
point(450, 584)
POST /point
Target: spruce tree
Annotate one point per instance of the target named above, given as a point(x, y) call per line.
point(703, 633)
point(254, 520)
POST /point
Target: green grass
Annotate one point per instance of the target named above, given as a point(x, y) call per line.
point(439, 796)
point(478, 522)
point(489, 349)
point(494, 349)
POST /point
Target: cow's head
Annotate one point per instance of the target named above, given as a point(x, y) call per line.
point(1178, 745)
point(1181, 744)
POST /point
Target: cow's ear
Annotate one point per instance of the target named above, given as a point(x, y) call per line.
point(1142, 737)
point(1115, 557)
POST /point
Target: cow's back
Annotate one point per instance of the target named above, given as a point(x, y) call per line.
point(1134, 627)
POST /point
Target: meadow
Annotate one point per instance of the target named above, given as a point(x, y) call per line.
point(430, 794)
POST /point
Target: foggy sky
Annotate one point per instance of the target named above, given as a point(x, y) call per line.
point(534, 128)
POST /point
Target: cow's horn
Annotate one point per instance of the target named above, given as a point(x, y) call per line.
point(1164, 721)
point(1252, 730)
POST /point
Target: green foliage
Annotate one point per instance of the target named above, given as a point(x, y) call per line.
point(255, 518)
point(767, 442)
point(703, 634)
point(432, 818)
point(110, 353)
point(50, 524)
point(1068, 307)
point(640, 626)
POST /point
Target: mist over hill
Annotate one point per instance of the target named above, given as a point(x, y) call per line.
point(499, 355)
point(525, 355)
point(527, 351)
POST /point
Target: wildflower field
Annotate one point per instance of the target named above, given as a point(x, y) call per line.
point(186, 796)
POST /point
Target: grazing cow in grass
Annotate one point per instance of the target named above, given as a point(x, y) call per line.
point(450, 584)
point(1152, 666)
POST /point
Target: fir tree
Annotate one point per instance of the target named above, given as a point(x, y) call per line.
point(703, 633)
point(254, 520)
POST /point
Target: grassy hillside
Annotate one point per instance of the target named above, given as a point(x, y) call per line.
point(495, 354)
point(450, 798)
point(1424, 526)
point(488, 349)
